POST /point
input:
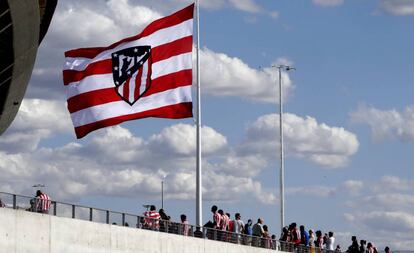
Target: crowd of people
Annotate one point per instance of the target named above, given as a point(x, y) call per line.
point(364, 247)
point(160, 221)
point(223, 228)
point(300, 237)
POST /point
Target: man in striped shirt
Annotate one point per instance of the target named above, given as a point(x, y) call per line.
point(216, 217)
point(42, 202)
point(152, 220)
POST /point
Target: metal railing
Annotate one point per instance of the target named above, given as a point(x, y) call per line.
point(62, 209)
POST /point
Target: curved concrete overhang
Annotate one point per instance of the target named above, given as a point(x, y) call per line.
point(23, 24)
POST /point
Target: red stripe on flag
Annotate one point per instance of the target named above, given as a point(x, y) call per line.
point(96, 68)
point(148, 83)
point(92, 98)
point(159, 53)
point(87, 52)
point(172, 20)
point(177, 111)
point(103, 96)
point(176, 47)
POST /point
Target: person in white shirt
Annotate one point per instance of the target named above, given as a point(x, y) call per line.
point(238, 226)
point(330, 242)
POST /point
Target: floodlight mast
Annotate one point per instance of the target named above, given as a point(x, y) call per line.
point(282, 162)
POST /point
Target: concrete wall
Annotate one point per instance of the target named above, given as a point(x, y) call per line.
point(22, 231)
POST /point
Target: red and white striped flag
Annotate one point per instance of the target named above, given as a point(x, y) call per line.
point(147, 75)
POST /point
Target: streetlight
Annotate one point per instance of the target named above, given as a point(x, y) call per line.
point(162, 194)
point(162, 191)
point(282, 162)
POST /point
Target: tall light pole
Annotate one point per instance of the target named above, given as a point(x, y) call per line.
point(282, 162)
point(162, 194)
point(162, 191)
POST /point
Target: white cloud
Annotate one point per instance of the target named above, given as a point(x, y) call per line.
point(387, 123)
point(328, 146)
point(354, 187)
point(116, 19)
point(181, 139)
point(392, 183)
point(274, 14)
point(398, 7)
point(37, 119)
point(246, 5)
point(375, 226)
point(313, 190)
point(229, 76)
point(387, 221)
point(381, 209)
point(328, 3)
point(389, 201)
point(114, 162)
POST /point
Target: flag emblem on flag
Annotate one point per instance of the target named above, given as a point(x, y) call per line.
point(131, 69)
point(146, 75)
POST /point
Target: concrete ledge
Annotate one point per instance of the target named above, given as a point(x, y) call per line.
point(23, 231)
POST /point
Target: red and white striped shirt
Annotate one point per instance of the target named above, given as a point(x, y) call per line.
point(154, 219)
point(224, 222)
point(43, 203)
point(217, 220)
point(185, 228)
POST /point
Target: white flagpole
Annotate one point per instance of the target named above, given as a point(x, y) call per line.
point(199, 194)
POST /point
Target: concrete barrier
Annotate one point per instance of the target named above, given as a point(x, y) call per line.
point(22, 231)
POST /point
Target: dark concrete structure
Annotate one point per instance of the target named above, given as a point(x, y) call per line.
point(23, 25)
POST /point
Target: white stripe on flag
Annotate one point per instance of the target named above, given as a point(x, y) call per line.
point(143, 78)
point(120, 108)
point(132, 85)
point(155, 39)
point(172, 64)
point(120, 90)
point(161, 68)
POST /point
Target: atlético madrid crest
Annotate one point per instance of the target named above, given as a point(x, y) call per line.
point(131, 69)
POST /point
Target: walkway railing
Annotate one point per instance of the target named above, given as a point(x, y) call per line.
point(62, 209)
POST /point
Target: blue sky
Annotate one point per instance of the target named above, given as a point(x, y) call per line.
point(349, 118)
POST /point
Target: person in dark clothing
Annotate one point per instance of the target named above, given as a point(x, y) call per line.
point(284, 239)
point(304, 236)
point(164, 223)
point(362, 247)
point(387, 250)
point(354, 248)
